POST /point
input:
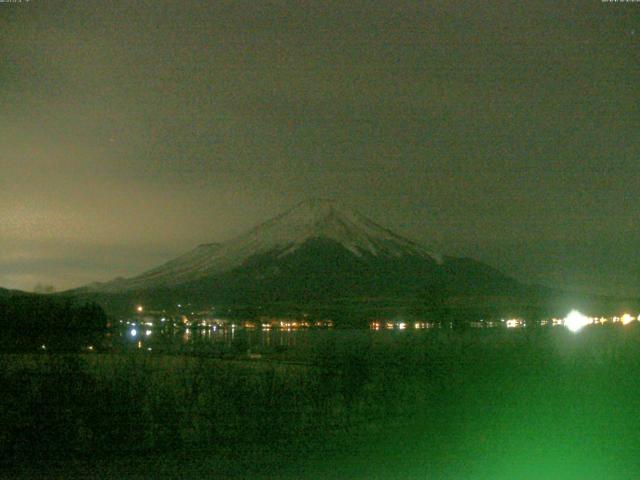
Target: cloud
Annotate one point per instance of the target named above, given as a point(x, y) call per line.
point(143, 128)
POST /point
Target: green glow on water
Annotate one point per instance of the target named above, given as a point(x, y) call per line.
point(566, 409)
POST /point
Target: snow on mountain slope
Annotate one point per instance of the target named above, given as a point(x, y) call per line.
point(283, 234)
point(180, 267)
point(323, 219)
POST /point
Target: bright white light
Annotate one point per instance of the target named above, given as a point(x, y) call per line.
point(133, 332)
point(513, 323)
point(147, 332)
point(626, 319)
point(575, 321)
point(402, 325)
point(139, 308)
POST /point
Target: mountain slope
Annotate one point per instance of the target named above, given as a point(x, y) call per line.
point(315, 254)
point(279, 237)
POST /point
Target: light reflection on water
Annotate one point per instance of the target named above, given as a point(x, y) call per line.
point(239, 338)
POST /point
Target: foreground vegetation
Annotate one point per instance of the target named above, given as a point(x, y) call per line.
point(482, 404)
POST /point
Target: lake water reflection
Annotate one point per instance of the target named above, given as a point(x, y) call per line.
point(223, 340)
point(247, 342)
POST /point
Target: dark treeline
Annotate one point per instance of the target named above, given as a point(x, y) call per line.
point(29, 321)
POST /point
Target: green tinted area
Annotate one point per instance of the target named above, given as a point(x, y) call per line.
point(550, 405)
point(501, 404)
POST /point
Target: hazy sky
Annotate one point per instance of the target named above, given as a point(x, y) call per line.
point(506, 131)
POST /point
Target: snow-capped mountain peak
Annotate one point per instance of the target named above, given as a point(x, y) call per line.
point(284, 234)
point(320, 218)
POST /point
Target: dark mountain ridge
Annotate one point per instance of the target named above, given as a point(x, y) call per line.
point(321, 256)
point(317, 253)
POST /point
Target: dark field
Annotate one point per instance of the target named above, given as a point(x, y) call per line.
point(492, 404)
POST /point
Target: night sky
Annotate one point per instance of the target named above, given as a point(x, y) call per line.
point(506, 131)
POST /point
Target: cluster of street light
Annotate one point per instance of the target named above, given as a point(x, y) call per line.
point(576, 321)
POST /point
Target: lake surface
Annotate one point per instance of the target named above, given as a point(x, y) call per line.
point(482, 404)
point(254, 341)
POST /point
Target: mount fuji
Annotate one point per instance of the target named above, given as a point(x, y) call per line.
point(318, 251)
